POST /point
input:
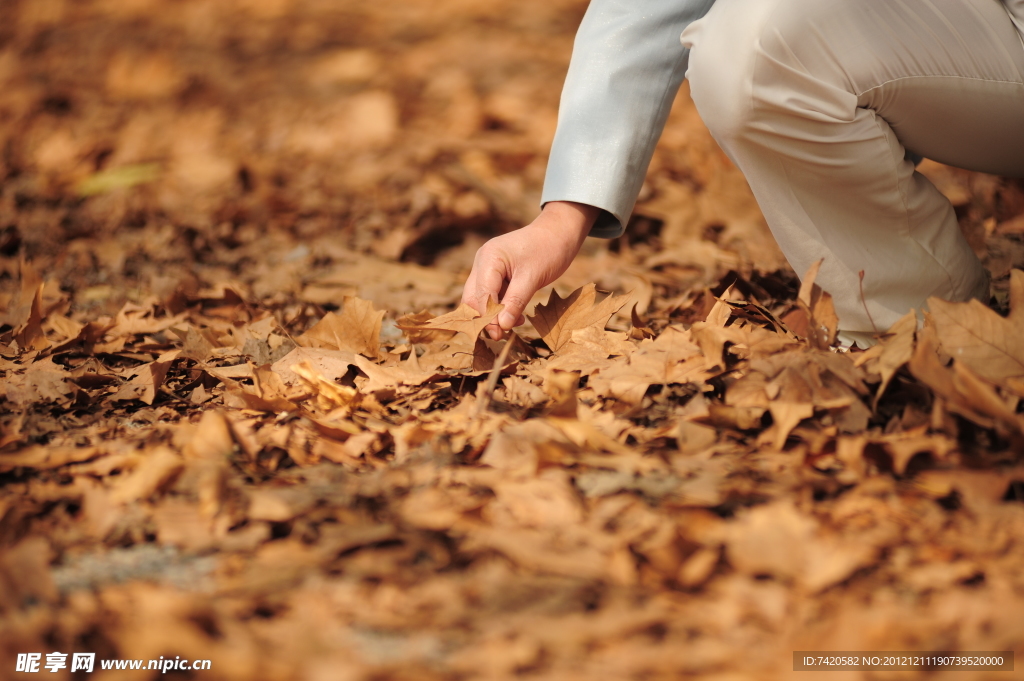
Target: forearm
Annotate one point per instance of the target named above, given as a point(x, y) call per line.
point(626, 68)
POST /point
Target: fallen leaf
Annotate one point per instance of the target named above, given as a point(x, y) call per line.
point(464, 319)
point(559, 318)
point(893, 351)
point(819, 308)
point(383, 378)
point(356, 329)
point(331, 364)
point(992, 346)
point(159, 466)
point(41, 382)
point(147, 379)
point(329, 395)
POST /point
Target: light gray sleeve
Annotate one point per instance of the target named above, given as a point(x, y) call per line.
point(627, 65)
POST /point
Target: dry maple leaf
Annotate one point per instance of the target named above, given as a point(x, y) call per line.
point(556, 320)
point(31, 334)
point(786, 416)
point(331, 364)
point(963, 391)
point(413, 326)
point(894, 351)
point(355, 329)
point(639, 329)
point(147, 379)
point(821, 313)
point(992, 346)
point(329, 395)
point(463, 319)
point(383, 378)
point(43, 381)
point(159, 466)
point(657, 362)
point(195, 345)
point(16, 311)
point(269, 392)
point(902, 447)
point(135, 319)
point(45, 457)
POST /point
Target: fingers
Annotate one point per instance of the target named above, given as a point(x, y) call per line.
point(505, 269)
point(485, 282)
point(494, 331)
point(517, 297)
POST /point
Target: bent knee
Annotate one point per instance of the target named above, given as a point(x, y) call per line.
point(750, 59)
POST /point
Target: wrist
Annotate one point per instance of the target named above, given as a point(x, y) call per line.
point(569, 218)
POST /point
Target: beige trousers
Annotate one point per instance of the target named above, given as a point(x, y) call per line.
point(823, 104)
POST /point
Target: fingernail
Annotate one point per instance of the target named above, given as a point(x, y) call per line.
point(506, 320)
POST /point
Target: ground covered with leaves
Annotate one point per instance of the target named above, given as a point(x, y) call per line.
point(243, 419)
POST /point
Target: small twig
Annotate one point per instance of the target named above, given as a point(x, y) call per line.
point(484, 400)
point(864, 302)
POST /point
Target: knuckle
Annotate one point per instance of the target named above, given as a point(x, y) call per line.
point(514, 301)
point(488, 250)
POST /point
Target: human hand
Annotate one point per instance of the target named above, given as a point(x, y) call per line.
point(512, 267)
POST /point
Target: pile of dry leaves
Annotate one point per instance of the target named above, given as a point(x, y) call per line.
point(243, 420)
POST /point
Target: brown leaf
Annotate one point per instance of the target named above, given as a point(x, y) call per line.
point(777, 540)
point(329, 395)
point(521, 392)
point(698, 567)
point(893, 351)
point(17, 312)
point(31, 335)
point(463, 319)
point(561, 387)
point(147, 379)
point(965, 393)
point(992, 346)
point(821, 312)
point(660, 362)
point(180, 523)
point(331, 364)
point(159, 467)
point(211, 440)
point(787, 415)
point(355, 329)
point(25, 572)
point(46, 457)
point(438, 509)
point(980, 490)
point(903, 447)
point(382, 378)
point(557, 320)
point(42, 382)
point(278, 505)
point(639, 329)
point(414, 325)
point(269, 393)
point(195, 345)
point(134, 319)
point(67, 330)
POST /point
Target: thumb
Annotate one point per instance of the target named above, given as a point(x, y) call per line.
point(484, 283)
point(517, 297)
